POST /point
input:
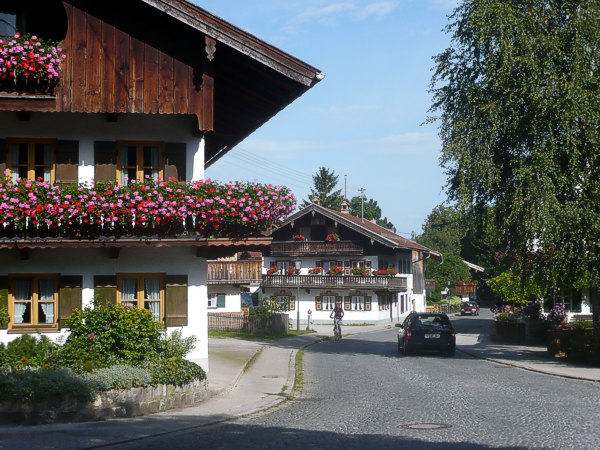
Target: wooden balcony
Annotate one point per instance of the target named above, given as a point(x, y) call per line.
point(316, 248)
point(392, 284)
point(234, 272)
point(465, 289)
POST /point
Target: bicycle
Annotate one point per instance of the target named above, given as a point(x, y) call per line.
point(337, 330)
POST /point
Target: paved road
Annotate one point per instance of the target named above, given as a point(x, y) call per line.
point(360, 393)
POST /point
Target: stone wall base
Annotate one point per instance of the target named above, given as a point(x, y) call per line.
point(108, 405)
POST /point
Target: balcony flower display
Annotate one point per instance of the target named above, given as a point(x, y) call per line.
point(335, 270)
point(273, 270)
point(360, 271)
point(292, 271)
point(333, 237)
point(315, 270)
point(389, 272)
point(28, 62)
point(147, 208)
point(298, 238)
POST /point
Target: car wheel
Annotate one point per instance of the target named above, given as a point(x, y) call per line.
point(451, 352)
point(406, 350)
point(399, 347)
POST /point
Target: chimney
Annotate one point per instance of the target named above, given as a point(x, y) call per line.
point(317, 200)
point(345, 207)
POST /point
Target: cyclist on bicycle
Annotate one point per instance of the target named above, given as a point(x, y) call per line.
point(337, 315)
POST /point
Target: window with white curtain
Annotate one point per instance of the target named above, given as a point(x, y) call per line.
point(328, 302)
point(33, 301)
point(144, 291)
point(357, 303)
point(140, 160)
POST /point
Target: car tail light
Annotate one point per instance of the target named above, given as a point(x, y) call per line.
point(408, 333)
point(453, 333)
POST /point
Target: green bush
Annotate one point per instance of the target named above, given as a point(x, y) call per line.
point(110, 334)
point(176, 345)
point(32, 385)
point(176, 371)
point(119, 377)
point(28, 351)
point(584, 347)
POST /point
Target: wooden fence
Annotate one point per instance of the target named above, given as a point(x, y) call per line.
point(274, 324)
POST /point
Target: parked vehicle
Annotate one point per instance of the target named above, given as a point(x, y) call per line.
point(470, 308)
point(426, 331)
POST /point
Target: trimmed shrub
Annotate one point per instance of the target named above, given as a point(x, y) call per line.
point(39, 385)
point(119, 376)
point(176, 371)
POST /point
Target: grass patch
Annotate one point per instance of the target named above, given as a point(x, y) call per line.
point(222, 334)
point(299, 377)
point(251, 360)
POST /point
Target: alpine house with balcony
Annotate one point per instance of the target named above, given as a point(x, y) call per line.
point(110, 111)
point(320, 257)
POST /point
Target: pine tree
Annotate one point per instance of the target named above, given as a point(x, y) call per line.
point(325, 182)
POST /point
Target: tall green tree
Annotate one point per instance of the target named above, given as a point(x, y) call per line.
point(517, 96)
point(325, 182)
point(370, 210)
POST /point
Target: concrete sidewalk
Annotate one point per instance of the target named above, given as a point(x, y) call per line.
point(248, 376)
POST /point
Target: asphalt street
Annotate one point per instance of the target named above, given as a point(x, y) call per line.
point(360, 393)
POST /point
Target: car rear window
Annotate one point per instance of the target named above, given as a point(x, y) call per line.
point(439, 321)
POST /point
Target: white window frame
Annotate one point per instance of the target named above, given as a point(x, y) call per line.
point(328, 302)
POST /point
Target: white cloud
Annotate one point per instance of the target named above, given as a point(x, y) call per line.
point(445, 5)
point(378, 9)
point(334, 11)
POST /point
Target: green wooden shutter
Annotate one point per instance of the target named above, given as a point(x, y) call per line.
point(347, 303)
point(220, 300)
point(292, 303)
point(176, 300)
point(319, 303)
point(69, 298)
point(368, 303)
point(66, 162)
point(4, 298)
point(105, 161)
point(105, 289)
point(175, 159)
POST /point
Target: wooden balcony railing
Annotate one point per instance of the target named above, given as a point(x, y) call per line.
point(394, 284)
point(233, 272)
point(323, 248)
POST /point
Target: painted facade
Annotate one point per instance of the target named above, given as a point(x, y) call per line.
point(363, 249)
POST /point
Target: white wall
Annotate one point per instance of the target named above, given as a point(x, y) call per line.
point(86, 128)
point(90, 262)
point(233, 298)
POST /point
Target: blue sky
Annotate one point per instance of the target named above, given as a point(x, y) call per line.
point(365, 119)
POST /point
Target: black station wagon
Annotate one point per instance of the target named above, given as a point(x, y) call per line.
point(426, 331)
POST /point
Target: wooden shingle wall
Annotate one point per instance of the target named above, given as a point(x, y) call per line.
point(109, 71)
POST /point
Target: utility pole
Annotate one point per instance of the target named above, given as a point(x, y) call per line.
point(362, 204)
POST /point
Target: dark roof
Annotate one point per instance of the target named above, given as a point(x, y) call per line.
point(254, 80)
point(370, 229)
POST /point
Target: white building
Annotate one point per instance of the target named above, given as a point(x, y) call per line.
point(296, 269)
point(162, 96)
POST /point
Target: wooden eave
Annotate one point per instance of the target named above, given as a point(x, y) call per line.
point(144, 242)
point(383, 239)
point(244, 42)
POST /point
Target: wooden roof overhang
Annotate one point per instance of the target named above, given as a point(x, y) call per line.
point(208, 248)
point(367, 229)
point(170, 57)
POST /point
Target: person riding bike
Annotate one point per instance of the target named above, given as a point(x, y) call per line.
point(337, 315)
